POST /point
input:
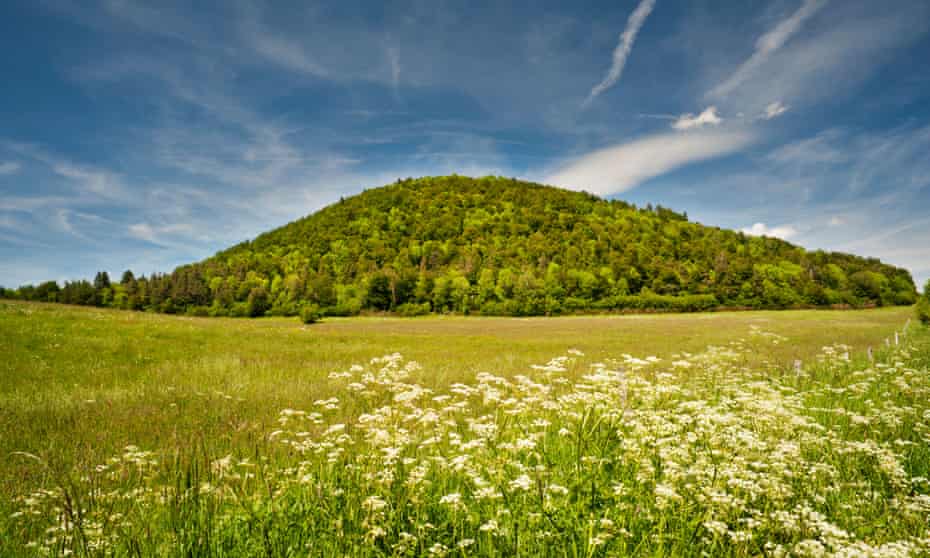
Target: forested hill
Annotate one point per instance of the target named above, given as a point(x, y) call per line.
point(506, 247)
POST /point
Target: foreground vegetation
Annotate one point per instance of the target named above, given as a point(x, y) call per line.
point(308, 445)
point(494, 246)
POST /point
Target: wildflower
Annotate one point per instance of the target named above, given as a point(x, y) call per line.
point(454, 499)
point(523, 482)
point(374, 503)
point(489, 526)
point(438, 549)
point(376, 532)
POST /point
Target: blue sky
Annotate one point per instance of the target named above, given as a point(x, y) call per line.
point(147, 135)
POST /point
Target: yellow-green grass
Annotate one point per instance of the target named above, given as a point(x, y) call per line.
point(78, 384)
point(75, 376)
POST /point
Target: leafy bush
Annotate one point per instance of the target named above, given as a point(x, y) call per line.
point(667, 303)
point(258, 302)
point(239, 310)
point(411, 309)
point(348, 308)
point(923, 310)
point(310, 314)
point(198, 311)
point(923, 305)
point(218, 310)
point(574, 304)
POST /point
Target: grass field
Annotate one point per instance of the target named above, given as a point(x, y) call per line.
point(80, 385)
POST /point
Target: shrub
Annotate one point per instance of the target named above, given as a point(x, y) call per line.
point(258, 302)
point(574, 304)
point(923, 310)
point(284, 308)
point(168, 307)
point(218, 310)
point(904, 298)
point(411, 309)
point(310, 314)
point(348, 308)
point(667, 303)
point(923, 305)
point(239, 310)
point(198, 311)
point(505, 308)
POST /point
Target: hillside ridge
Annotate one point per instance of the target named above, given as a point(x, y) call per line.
point(501, 246)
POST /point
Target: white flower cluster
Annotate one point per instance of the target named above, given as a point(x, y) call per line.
point(704, 455)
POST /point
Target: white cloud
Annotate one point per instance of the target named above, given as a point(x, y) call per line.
point(767, 44)
point(622, 167)
point(837, 221)
point(89, 180)
point(622, 52)
point(102, 183)
point(689, 121)
point(773, 110)
point(9, 167)
point(393, 56)
point(761, 229)
point(821, 149)
point(142, 231)
point(145, 231)
point(77, 223)
point(283, 52)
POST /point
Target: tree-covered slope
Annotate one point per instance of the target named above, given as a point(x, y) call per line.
point(501, 246)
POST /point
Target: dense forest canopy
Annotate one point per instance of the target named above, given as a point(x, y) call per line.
point(494, 246)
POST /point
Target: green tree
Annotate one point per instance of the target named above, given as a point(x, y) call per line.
point(379, 295)
point(257, 303)
point(503, 246)
point(101, 280)
point(47, 292)
point(923, 305)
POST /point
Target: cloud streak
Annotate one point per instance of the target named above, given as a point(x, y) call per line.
point(622, 52)
point(393, 56)
point(9, 167)
point(768, 44)
point(774, 110)
point(622, 167)
point(689, 121)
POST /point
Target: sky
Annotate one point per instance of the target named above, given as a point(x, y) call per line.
point(144, 136)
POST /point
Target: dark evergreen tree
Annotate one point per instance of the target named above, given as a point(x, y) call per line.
point(101, 281)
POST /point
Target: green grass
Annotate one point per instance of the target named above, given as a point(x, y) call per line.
point(79, 385)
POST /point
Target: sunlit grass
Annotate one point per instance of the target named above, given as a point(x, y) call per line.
point(472, 451)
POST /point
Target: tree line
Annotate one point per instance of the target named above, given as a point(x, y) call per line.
point(494, 246)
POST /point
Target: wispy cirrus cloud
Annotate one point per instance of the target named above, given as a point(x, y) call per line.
point(767, 44)
point(622, 167)
point(774, 110)
point(86, 180)
point(94, 181)
point(284, 52)
point(9, 167)
point(708, 117)
point(165, 235)
point(622, 52)
point(863, 192)
point(393, 57)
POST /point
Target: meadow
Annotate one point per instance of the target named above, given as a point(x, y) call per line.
point(743, 434)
